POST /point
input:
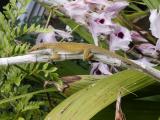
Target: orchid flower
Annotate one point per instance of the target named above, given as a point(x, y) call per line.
point(145, 48)
point(51, 37)
point(155, 23)
point(120, 38)
point(99, 24)
point(77, 10)
point(62, 34)
point(148, 49)
point(46, 37)
point(137, 37)
point(99, 68)
point(155, 26)
point(115, 7)
point(103, 2)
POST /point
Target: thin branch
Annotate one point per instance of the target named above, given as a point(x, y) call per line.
point(47, 55)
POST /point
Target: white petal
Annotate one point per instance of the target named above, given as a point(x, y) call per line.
point(116, 6)
point(104, 69)
point(137, 37)
point(155, 23)
point(96, 1)
point(76, 10)
point(62, 33)
point(158, 44)
point(148, 49)
point(144, 61)
point(100, 67)
point(46, 37)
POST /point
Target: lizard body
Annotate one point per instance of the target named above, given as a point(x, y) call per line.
point(88, 50)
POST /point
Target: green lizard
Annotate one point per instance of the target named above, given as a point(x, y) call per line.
point(88, 51)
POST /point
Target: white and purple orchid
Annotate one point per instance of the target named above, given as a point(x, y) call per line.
point(120, 38)
point(51, 37)
point(115, 7)
point(155, 25)
point(99, 24)
point(98, 68)
point(148, 49)
point(102, 2)
point(137, 37)
point(77, 10)
point(46, 38)
point(97, 16)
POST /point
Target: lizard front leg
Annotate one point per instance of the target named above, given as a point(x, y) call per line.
point(87, 55)
point(55, 56)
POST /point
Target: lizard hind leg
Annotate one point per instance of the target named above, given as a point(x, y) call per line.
point(87, 55)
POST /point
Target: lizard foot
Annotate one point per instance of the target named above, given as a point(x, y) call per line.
point(87, 55)
point(55, 56)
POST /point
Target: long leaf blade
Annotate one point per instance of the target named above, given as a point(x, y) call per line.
point(84, 104)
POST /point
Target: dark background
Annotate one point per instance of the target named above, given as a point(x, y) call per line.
point(3, 3)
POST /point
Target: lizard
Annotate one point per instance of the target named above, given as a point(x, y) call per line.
point(89, 50)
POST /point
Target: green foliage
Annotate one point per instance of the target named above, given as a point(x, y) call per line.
point(97, 96)
point(22, 92)
point(133, 109)
point(152, 4)
point(87, 102)
point(18, 80)
point(11, 28)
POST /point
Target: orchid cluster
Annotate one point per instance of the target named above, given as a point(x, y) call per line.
point(98, 16)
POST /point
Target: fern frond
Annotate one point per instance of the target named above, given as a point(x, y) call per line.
point(31, 29)
point(33, 105)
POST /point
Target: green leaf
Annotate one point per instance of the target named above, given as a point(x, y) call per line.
point(53, 69)
point(78, 82)
point(20, 118)
point(26, 95)
point(133, 110)
point(32, 106)
point(45, 66)
point(81, 105)
point(152, 4)
point(71, 68)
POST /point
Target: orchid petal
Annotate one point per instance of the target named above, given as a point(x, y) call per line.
point(148, 49)
point(155, 23)
point(99, 68)
point(120, 39)
point(46, 37)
